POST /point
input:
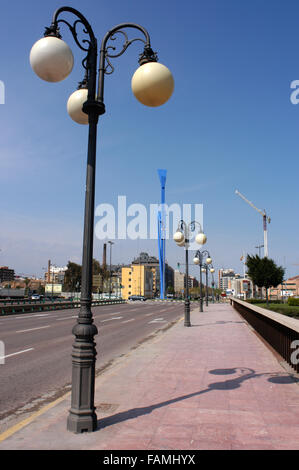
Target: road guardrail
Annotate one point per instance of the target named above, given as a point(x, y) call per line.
point(28, 307)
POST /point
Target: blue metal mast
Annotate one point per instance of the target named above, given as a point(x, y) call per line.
point(161, 233)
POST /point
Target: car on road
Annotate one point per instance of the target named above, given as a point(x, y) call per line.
point(36, 297)
point(137, 297)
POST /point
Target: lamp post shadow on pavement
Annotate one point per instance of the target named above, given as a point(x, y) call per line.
point(182, 238)
point(152, 84)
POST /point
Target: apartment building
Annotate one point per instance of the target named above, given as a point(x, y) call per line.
point(137, 280)
point(289, 288)
point(144, 259)
point(6, 274)
point(179, 282)
point(225, 276)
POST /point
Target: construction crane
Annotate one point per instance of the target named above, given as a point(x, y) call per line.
point(265, 220)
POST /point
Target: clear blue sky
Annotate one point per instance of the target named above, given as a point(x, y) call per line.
point(229, 125)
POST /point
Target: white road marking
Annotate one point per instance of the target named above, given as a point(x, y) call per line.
point(32, 329)
point(111, 313)
point(109, 319)
point(126, 321)
point(67, 318)
point(157, 320)
point(19, 352)
point(42, 315)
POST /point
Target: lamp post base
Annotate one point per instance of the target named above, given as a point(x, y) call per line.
point(187, 313)
point(84, 423)
point(82, 416)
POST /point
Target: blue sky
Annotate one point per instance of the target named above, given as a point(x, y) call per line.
point(230, 124)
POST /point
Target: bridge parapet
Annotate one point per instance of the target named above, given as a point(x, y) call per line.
point(280, 331)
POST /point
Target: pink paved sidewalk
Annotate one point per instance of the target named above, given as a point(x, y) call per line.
point(214, 385)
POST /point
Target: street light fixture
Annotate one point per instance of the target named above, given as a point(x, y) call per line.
point(182, 238)
point(111, 243)
point(198, 260)
point(212, 270)
point(152, 85)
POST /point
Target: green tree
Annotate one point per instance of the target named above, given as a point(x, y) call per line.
point(264, 272)
point(96, 267)
point(27, 282)
point(170, 290)
point(41, 289)
point(73, 274)
point(72, 277)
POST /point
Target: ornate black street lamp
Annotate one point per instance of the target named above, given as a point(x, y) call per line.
point(212, 270)
point(152, 84)
point(110, 284)
point(198, 260)
point(205, 269)
point(182, 238)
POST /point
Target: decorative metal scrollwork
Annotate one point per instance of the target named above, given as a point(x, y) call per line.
point(74, 32)
point(109, 69)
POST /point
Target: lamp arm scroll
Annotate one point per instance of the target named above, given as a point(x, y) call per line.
point(105, 64)
point(88, 45)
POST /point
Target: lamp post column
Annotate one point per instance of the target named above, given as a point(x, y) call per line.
point(207, 289)
point(200, 284)
point(82, 416)
point(187, 301)
point(110, 284)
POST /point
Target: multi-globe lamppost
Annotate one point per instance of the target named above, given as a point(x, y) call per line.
point(152, 84)
point(207, 268)
point(110, 273)
point(182, 238)
point(212, 270)
point(198, 260)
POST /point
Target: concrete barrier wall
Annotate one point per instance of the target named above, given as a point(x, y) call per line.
point(38, 306)
point(280, 331)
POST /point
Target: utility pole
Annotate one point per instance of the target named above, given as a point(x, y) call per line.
point(259, 248)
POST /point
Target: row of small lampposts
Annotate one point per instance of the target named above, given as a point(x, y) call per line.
point(152, 84)
point(204, 267)
point(182, 238)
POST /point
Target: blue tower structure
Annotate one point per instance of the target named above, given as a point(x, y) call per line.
point(161, 233)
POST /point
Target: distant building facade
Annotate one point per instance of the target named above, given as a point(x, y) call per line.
point(225, 276)
point(6, 274)
point(144, 259)
point(289, 288)
point(179, 282)
point(137, 280)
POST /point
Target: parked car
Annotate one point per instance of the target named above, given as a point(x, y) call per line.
point(137, 297)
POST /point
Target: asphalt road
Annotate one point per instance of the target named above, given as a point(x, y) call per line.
point(37, 349)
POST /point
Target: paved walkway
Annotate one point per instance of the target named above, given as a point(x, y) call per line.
point(214, 385)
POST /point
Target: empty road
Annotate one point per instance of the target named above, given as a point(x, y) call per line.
point(38, 346)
